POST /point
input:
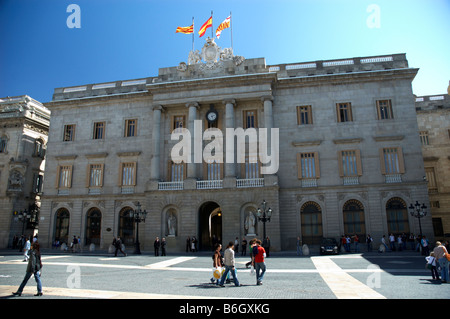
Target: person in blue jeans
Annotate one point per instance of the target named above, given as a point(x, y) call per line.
point(34, 268)
point(229, 262)
point(440, 253)
point(259, 254)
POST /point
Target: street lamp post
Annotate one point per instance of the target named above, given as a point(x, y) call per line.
point(24, 216)
point(264, 216)
point(139, 216)
point(419, 212)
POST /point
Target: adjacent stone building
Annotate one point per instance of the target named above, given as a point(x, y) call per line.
point(345, 132)
point(24, 124)
point(433, 117)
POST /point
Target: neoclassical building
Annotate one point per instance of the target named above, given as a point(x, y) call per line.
point(24, 124)
point(433, 117)
point(345, 154)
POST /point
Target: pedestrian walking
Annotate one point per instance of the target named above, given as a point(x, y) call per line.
point(299, 247)
point(383, 242)
point(356, 242)
point(188, 244)
point(440, 253)
point(236, 245)
point(229, 263)
point(156, 245)
point(117, 243)
point(163, 247)
point(217, 263)
point(26, 249)
point(425, 246)
point(244, 247)
point(252, 243)
point(392, 242)
point(34, 268)
point(369, 241)
point(431, 264)
point(259, 254)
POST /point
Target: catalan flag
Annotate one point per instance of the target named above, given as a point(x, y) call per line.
point(185, 30)
point(225, 24)
point(206, 25)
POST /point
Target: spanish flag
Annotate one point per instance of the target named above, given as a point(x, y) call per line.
point(206, 25)
point(185, 30)
point(225, 24)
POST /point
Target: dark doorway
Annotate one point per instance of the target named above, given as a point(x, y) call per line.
point(210, 225)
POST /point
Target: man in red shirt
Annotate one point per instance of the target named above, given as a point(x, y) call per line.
point(259, 254)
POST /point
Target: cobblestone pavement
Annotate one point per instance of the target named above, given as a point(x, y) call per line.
point(400, 275)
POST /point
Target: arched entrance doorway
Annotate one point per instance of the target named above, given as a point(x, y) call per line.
point(93, 226)
point(210, 225)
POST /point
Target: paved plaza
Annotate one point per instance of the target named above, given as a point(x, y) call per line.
point(400, 275)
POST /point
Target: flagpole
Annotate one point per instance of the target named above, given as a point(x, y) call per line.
point(231, 27)
point(212, 29)
point(193, 32)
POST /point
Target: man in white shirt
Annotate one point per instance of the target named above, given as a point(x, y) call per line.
point(228, 261)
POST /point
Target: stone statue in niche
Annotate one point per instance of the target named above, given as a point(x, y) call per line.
point(172, 224)
point(250, 223)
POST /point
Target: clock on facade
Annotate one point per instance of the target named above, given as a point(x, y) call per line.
point(211, 116)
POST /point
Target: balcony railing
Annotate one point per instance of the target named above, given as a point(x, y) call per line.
point(393, 178)
point(210, 184)
point(170, 186)
point(249, 182)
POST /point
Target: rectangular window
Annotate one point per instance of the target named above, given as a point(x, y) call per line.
point(251, 168)
point(424, 138)
point(128, 174)
point(130, 127)
point(250, 119)
point(96, 175)
point(64, 176)
point(304, 115)
point(177, 172)
point(392, 161)
point(213, 171)
point(344, 112)
point(431, 178)
point(350, 163)
point(99, 130)
point(384, 110)
point(179, 121)
point(308, 165)
point(69, 133)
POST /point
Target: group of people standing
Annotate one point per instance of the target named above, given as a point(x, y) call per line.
point(227, 262)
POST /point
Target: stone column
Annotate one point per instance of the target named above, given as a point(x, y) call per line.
point(230, 168)
point(193, 110)
point(156, 142)
point(268, 115)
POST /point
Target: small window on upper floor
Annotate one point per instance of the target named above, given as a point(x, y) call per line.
point(69, 133)
point(344, 112)
point(99, 130)
point(384, 110)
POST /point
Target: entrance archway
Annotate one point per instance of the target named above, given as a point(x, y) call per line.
point(210, 225)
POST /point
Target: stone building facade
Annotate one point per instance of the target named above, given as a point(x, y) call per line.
point(24, 124)
point(433, 117)
point(349, 157)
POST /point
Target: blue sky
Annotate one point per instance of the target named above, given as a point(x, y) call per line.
point(128, 39)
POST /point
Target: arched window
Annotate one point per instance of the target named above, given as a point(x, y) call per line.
point(311, 219)
point(62, 221)
point(93, 226)
point(397, 216)
point(126, 226)
point(354, 221)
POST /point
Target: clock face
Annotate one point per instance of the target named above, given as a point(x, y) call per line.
point(211, 116)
